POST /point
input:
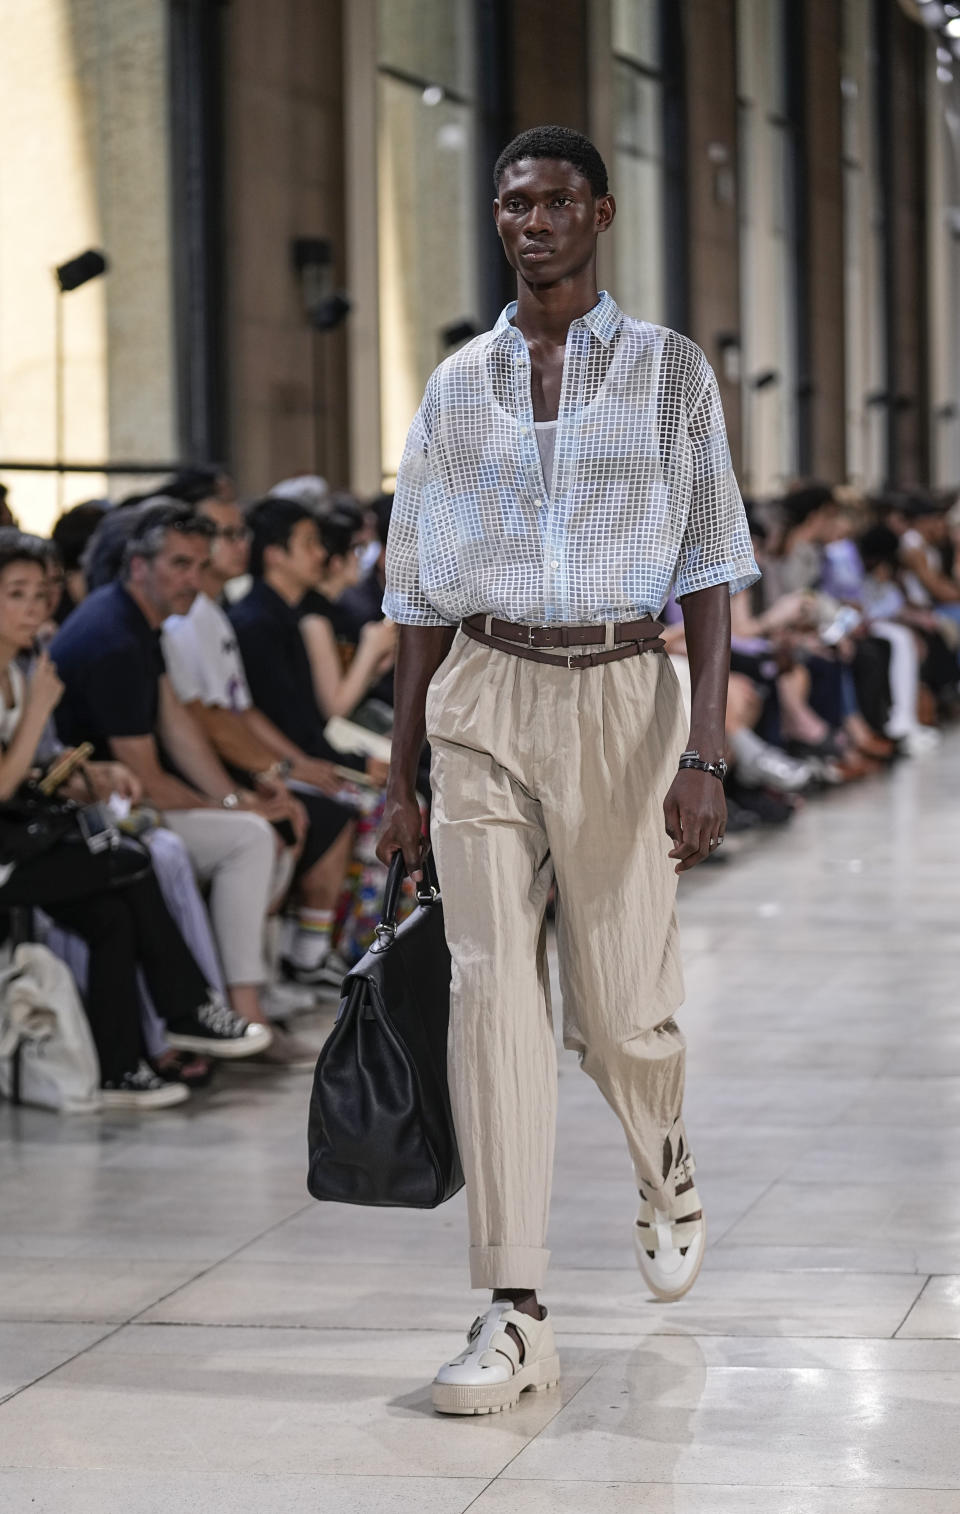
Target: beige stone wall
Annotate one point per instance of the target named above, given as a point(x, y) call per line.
point(83, 118)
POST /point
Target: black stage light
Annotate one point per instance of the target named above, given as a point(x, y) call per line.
point(80, 270)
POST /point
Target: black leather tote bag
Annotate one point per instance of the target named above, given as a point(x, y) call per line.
point(380, 1129)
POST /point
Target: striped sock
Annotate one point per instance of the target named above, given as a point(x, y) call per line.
point(313, 937)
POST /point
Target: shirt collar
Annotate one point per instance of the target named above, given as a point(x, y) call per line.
point(604, 320)
point(136, 619)
point(263, 594)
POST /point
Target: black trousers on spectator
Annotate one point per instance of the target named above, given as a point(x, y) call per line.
point(326, 817)
point(871, 676)
point(126, 925)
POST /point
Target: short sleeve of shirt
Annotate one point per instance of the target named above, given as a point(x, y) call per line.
point(179, 654)
point(716, 545)
point(203, 658)
point(404, 600)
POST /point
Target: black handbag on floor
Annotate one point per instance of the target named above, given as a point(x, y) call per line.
point(380, 1129)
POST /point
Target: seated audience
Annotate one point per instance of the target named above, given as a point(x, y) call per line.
point(924, 545)
point(286, 559)
point(109, 898)
point(360, 603)
point(118, 696)
point(207, 672)
point(338, 690)
point(70, 536)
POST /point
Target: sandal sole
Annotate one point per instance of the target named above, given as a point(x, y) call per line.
point(457, 1398)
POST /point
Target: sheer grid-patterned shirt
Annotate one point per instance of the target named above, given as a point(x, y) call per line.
point(643, 496)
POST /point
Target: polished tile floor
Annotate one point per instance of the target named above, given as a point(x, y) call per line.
point(181, 1329)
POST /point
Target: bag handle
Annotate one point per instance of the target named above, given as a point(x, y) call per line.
point(428, 892)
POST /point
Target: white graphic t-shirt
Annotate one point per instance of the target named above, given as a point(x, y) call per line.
point(203, 659)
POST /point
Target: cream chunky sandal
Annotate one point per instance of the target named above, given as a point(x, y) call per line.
point(489, 1375)
point(670, 1246)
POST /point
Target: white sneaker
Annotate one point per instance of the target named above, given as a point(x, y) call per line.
point(325, 976)
point(489, 1375)
point(281, 1000)
point(670, 1246)
point(921, 741)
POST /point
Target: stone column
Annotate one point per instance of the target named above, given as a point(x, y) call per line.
point(822, 400)
point(710, 89)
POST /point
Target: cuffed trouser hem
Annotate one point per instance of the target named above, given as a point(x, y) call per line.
point(508, 1266)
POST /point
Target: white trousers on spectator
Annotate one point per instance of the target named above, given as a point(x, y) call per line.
point(234, 854)
point(904, 677)
point(542, 772)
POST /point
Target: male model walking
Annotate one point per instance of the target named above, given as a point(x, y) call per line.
point(563, 472)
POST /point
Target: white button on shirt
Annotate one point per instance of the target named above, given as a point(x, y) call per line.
point(643, 496)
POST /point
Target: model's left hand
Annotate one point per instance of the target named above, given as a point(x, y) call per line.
point(695, 814)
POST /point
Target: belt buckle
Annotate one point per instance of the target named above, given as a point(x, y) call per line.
point(530, 634)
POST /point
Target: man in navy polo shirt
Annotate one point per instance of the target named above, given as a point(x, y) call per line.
point(117, 696)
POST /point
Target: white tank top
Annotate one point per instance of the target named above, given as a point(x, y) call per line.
point(547, 445)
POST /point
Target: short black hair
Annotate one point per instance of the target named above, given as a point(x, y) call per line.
point(192, 484)
point(918, 504)
point(560, 142)
point(800, 504)
point(382, 507)
point(17, 546)
point(338, 529)
point(272, 522)
point(74, 529)
point(879, 545)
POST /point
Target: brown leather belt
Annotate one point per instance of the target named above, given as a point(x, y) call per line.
point(630, 638)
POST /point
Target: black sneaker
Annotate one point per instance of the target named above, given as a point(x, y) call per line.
point(142, 1089)
point(215, 1030)
point(326, 977)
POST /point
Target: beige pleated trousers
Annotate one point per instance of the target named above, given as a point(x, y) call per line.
point(540, 772)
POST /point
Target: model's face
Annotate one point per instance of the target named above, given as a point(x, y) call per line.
point(23, 604)
point(548, 220)
point(230, 545)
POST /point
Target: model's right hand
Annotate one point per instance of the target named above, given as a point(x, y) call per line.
point(402, 831)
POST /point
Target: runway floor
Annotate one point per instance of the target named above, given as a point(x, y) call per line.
point(182, 1329)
